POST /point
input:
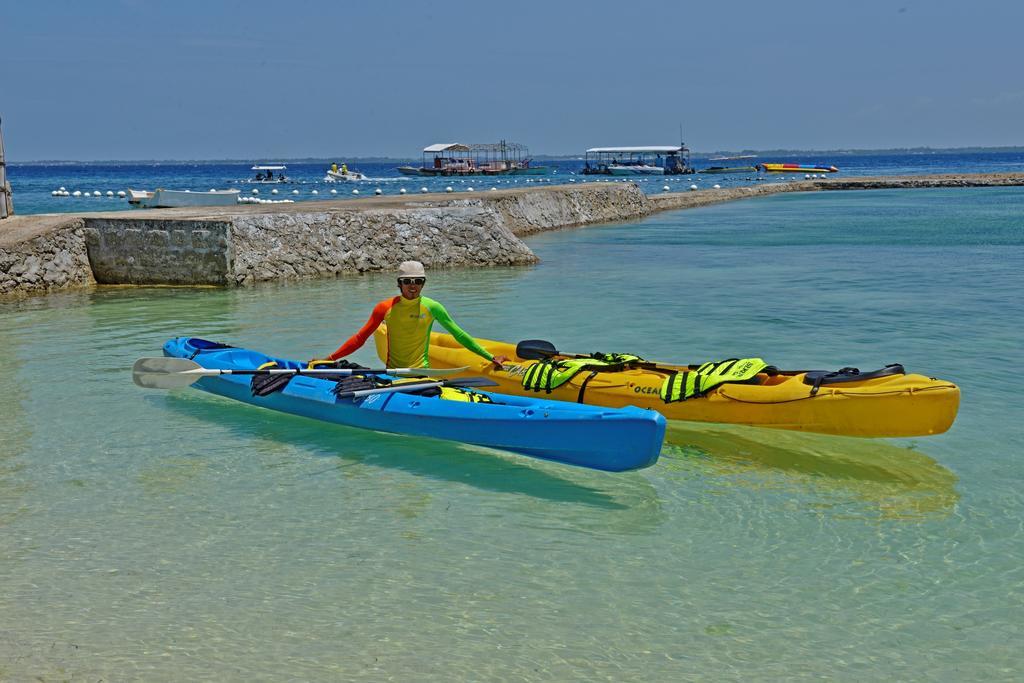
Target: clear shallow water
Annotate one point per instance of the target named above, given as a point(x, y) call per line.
point(163, 536)
point(33, 182)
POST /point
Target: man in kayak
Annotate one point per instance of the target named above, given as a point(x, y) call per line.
point(409, 318)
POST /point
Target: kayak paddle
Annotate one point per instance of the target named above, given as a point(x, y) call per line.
point(537, 349)
point(174, 373)
point(417, 386)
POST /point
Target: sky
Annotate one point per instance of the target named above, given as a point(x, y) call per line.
point(141, 79)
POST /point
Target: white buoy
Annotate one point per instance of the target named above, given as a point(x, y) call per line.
point(693, 187)
point(572, 180)
point(469, 189)
point(110, 193)
point(274, 191)
point(355, 191)
point(121, 193)
point(55, 193)
point(449, 189)
point(295, 191)
point(76, 193)
point(63, 189)
point(255, 190)
point(665, 188)
point(97, 193)
point(494, 189)
point(378, 191)
point(333, 191)
point(717, 186)
point(423, 189)
point(402, 191)
point(314, 192)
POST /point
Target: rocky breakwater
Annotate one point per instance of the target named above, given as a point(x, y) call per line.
point(39, 254)
point(924, 181)
point(247, 244)
point(695, 198)
point(551, 208)
point(308, 244)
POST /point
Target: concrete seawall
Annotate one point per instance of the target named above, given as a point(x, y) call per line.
point(231, 246)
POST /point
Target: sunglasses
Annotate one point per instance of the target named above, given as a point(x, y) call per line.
point(411, 280)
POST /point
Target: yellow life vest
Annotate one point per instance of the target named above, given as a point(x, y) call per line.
point(680, 386)
point(552, 373)
point(464, 395)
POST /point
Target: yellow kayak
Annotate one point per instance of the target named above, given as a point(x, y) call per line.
point(888, 403)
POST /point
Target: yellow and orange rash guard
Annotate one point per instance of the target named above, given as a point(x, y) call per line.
point(409, 323)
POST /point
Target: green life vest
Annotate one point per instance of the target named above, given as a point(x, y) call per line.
point(683, 385)
point(551, 373)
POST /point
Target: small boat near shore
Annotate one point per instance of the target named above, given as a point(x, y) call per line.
point(731, 169)
point(169, 199)
point(795, 168)
point(265, 174)
point(587, 436)
point(342, 175)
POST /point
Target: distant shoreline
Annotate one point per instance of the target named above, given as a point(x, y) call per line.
point(924, 151)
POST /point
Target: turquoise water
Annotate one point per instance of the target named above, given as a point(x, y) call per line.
point(178, 536)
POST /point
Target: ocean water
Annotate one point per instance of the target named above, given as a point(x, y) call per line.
point(176, 536)
point(33, 183)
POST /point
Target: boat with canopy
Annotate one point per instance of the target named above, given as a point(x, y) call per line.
point(458, 159)
point(645, 160)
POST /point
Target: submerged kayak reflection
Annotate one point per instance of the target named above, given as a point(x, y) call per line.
point(360, 452)
point(894, 482)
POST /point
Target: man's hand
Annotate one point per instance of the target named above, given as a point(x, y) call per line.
point(499, 361)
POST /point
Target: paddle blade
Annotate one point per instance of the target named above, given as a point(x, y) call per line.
point(165, 373)
point(535, 349)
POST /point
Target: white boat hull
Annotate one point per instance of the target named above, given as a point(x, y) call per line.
point(169, 199)
point(636, 170)
point(339, 177)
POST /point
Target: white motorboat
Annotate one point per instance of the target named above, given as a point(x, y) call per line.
point(265, 174)
point(167, 199)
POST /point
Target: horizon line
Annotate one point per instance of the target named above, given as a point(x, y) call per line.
point(571, 156)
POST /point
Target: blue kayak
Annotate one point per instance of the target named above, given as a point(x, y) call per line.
point(612, 439)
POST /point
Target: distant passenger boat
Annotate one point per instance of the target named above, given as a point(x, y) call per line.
point(457, 159)
point(626, 161)
point(796, 168)
point(169, 199)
